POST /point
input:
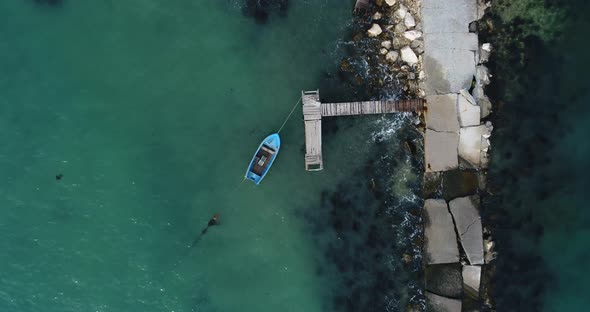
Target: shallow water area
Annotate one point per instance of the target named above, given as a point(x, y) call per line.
point(151, 111)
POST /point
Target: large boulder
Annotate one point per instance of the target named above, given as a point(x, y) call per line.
point(390, 2)
point(436, 303)
point(465, 211)
point(440, 150)
point(392, 56)
point(408, 55)
point(442, 113)
point(409, 20)
point(440, 240)
point(374, 31)
point(444, 279)
point(469, 111)
point(412, 34)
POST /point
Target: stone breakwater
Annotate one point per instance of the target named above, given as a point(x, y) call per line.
point(456, 145)
point(397, 27)
point(432, 48)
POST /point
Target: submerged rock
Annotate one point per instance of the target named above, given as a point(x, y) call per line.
point(444, 279)
point(374, 31)
point(408, 55)
point(436, 303)
point(459, 183)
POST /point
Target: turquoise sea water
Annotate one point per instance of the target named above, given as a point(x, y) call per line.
point(540, 162)
point(151, 110)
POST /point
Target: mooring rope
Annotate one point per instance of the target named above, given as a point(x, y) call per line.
point(289, 116)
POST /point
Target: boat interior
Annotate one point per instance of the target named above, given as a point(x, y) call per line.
point(262, 159)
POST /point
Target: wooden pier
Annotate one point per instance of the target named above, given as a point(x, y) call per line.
point(314, 110)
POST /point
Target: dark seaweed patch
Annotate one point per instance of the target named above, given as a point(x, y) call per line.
point(260, 10)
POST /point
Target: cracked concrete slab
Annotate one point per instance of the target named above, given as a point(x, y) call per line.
point(465, 211)
point(440, 239)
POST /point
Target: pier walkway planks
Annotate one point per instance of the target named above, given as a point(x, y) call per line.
point(314, 110)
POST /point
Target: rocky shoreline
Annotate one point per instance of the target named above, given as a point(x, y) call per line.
point(431, 47)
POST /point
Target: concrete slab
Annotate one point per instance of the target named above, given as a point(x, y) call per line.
point(450, 16)
point(465, 211)
point(452, 41)
point(469, 112)
point(442, 113)
point(440, 240)
point(441, 150)
point(470, 145)
point(471, 280)
point(448, 71)
point(436, 303)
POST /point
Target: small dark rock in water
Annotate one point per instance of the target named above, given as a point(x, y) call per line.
point(59, 176)
point(261, 9)
point(51, 3)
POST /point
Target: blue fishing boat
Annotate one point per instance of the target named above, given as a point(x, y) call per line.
point(263, 158)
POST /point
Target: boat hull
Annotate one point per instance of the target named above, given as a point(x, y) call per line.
point(263, 158)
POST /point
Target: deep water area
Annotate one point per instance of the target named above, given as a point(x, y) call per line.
point(126, 125)
point(538, 199)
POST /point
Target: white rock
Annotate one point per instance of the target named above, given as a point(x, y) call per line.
point(412, 35)
point(377, 16)
point(383, 51)
point(471, 280)
point(408, 55)
point(386, 44)
point(374, 31)
point(421, 75)
point(471, 145)
point(487, 47)
point(401, 12)
point(392, 56)
point(390, 2)
point(482, 76)
point(469, 112)
point(409, 20)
